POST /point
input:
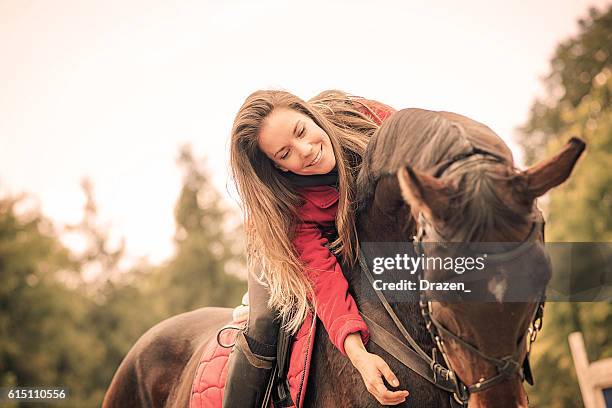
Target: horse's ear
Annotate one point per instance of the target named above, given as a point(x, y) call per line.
point(424, 193)
point(549, 173)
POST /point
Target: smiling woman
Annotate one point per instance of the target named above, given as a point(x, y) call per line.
point(294, 164)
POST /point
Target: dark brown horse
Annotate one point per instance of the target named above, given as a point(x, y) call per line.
point(457, 178)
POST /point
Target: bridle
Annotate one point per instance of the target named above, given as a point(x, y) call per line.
point(507, 366)
point(429, 367)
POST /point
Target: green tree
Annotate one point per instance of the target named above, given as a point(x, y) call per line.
point(125, 313)
point(59, 329)
point(97, 256)
point(573, 70)
point(577, 104)
point(207, 249)
point(128, 302)
point(120, 309)
point(42, 317)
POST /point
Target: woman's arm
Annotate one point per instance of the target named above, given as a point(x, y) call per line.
point(335, 306)
point(338, 311)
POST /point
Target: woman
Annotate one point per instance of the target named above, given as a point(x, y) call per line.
point(294, 164)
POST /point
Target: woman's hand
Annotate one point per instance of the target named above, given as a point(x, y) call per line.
point(372, 368)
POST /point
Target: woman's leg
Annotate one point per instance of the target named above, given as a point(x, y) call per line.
point(264, 323)
point(252, 359)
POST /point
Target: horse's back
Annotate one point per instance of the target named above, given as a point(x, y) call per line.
point(159, 369)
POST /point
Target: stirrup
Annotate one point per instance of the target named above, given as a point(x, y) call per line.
point(228, 327)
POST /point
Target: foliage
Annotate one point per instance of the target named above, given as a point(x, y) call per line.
point(577, 104)
point(206, 248)
point(43, 331)
point(59, 327)
point(573, 70)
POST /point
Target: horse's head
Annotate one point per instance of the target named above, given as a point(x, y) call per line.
point(474, 197)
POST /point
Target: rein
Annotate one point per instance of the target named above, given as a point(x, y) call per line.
point(413, 358)
point(430, 368)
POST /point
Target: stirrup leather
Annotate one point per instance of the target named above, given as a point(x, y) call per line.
point(255, 360)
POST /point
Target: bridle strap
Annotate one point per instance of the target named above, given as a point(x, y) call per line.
point(522, 248)
point(462, 156)
point(389, 309)
point(506, 366)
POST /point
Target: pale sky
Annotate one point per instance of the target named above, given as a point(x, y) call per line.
point(111, 89)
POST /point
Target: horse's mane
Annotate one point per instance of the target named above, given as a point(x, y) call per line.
point(425, 139)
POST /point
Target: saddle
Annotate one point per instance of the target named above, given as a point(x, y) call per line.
point(287, 386)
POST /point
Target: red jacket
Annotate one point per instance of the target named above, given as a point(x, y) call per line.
point(335, 306)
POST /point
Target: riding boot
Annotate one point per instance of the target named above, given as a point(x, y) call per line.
point(250, 367)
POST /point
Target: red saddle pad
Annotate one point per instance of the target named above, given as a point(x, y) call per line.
point(209, 382)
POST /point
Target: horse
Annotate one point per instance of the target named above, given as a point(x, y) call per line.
point(425, 176)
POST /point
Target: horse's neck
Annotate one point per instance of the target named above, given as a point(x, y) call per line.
point(387, 219)
point(386, 216)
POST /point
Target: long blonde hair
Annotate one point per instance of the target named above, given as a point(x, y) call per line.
point(270, 203)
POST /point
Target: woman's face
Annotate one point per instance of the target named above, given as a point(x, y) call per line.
point(295, 143)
